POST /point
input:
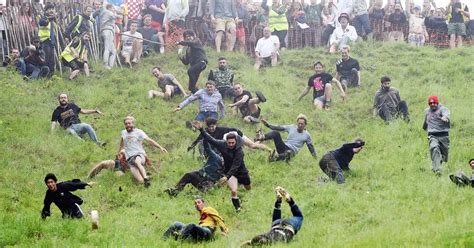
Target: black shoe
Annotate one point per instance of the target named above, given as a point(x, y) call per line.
point(260, 96)
point(189, 125)
point(172, 192)
point(146, 182)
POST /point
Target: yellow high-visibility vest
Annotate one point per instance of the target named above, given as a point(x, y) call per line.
point(68, 55)
point(450, 12)
point(276, 21)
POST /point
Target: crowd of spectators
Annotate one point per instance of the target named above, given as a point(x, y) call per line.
point(137, 28)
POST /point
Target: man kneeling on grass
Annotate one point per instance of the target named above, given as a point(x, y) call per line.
point(209, 221)
point(60, 194)
point(334, 162)
point(283, 230)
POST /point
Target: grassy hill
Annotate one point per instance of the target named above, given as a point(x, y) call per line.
point(391, 197)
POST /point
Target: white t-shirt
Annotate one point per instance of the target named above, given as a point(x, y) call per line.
point(133, 142)
point(265, 46)
point(127, 41)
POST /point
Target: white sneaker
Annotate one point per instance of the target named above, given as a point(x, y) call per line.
point(162, 50)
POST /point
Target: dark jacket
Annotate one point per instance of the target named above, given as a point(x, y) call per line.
point(194, 53)
point(234, 164)
point(62, 197)
point(344, 154)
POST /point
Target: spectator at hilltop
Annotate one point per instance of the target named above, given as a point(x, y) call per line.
point(458, 15)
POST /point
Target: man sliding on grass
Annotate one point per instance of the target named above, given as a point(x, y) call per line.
point(209, 221)
point(234, 170)
point(203, 178)
point(297, 137)
point(283, 230)
point(60, 194)
point(132, 142)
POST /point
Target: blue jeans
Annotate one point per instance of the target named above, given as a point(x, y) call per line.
point(180, 230)
point(21, 66)
point(202, 116)
point(82, 128)
point(296, 220)
point(36, 72)
point(362, 24)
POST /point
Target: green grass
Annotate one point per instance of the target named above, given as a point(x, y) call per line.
point(390, 199)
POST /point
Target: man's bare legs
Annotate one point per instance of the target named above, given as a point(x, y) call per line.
point(218, 40)
point(254, 145)
point(231, 36)
point(138, 171)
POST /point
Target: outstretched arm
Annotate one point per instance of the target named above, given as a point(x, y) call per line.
point(155, 144)
point(272, 127)
point(91, 111)
point(304, 93)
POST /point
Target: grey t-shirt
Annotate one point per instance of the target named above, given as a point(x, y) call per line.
point(434, 122)
point(107, 20)
point(133, 142)
point(296, 140)
point(167, 80)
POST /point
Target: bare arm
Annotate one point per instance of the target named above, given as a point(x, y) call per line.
point(304, 93)
point(120, 146)
point(155, 144)
point(240, 102)
point(53, 126)
point(183, 92)
point(339, 86)
point(358, 77)
point(90, 111)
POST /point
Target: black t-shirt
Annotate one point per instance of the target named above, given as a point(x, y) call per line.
point(318, 82)
point(344, 67)
point(457, 17)
point(244, 108)
point(67, 116)
point(397, 18)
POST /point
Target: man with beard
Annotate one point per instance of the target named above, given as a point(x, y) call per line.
point(387, 102)
point(437, 123)
point(224, 77)
point(67, 114)
point(34, 58)
point(132, 142)
point(234, 171)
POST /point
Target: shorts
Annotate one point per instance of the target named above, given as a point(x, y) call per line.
point(240, 32)
point(457, 28)
point(131, 160)
point(74, 64)
point(321, 99)
point(224, 24)
point(246, 113)
point(243, 179)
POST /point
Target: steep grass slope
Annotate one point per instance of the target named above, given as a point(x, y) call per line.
point(391, 198)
